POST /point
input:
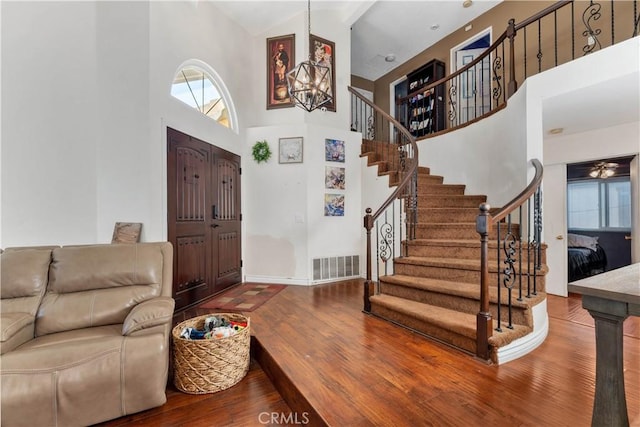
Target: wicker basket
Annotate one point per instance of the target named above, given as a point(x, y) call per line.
point(210, 365)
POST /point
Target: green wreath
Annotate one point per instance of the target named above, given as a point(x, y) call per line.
point(261, 151)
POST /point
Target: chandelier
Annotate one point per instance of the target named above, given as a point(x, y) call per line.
point(603, 170)
point(310, 82)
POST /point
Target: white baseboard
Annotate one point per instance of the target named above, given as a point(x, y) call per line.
point(276, 280)
point(530, 342)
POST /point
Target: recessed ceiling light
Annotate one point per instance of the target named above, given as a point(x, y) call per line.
point(556, 131)
point(435, 26)
point(467, 3)
point(390, 58)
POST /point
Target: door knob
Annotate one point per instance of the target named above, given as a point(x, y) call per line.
point(215, 225)
point(627, 237)
point(559, 237)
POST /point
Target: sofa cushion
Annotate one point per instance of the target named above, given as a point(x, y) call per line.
point(83, 377)
point(99, 284)
point(15, 330)
point(23, 274)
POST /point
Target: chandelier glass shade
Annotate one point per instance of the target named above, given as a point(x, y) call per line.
point(310, 82)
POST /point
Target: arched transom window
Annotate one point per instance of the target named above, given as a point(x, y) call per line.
point(196, 88)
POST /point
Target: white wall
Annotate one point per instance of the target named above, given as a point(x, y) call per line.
point(85, 104)
point(50, 108)
point(284, 210)
point(489, 157)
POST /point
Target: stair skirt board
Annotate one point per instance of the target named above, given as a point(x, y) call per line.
point(528, 343)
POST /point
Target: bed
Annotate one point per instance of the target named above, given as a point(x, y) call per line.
point(586, 257)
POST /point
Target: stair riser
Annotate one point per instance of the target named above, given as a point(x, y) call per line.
point(428, 180)
point(442, 201)
point(459, 275)
point(447, 215)
point(426, 190)
point(451, 231)
point(452, 338)
point(520, 316)
point(465, 253)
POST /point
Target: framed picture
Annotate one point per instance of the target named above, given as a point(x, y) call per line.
point(280, 60)
point(334, 150)
point(334, 178)
point(290, 150)
point(126, 232)
point(333, 204)
point(323, 52)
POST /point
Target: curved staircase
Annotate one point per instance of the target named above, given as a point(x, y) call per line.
point(435, 286)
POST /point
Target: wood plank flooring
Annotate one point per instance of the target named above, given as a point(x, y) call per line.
point(340, 367)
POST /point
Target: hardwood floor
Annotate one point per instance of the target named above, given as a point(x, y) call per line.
point(340, 367)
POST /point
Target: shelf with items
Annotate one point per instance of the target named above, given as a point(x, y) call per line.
point(425, 108)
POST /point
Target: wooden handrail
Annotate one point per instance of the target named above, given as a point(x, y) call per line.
point(413, 166)
point(523, 196)
point(542, 14)
point(451, 76)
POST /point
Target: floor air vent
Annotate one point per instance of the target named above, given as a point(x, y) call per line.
point(336, 267)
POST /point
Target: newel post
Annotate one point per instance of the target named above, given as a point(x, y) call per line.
point(484, 324)
point(511, 34)
point(368, 225)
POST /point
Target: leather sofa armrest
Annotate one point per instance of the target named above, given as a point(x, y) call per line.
point(148, 314)
point(16, 328)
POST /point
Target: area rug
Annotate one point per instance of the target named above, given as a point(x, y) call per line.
point(245, 297)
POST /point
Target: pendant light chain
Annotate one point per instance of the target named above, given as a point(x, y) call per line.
point(309, 28)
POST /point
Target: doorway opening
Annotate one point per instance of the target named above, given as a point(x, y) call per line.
point(599, 216)
point(473, 96)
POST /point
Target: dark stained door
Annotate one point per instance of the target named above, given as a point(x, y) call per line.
point(203, 201)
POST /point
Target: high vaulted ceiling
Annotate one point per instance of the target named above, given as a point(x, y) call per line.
point(402, 28)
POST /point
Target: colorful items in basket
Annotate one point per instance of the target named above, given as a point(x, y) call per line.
point(214, 328)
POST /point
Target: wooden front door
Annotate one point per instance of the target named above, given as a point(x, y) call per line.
point(203, 202)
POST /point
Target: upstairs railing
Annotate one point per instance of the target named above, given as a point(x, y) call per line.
point(558, 34)
point(396, 153)
point(517, 228)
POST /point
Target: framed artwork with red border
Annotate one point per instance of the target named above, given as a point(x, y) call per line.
point(323, 52)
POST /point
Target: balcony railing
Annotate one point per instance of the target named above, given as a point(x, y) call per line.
point(558, 34)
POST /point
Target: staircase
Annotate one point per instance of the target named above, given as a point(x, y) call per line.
point(435, 286)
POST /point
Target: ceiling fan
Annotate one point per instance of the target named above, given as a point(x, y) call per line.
point(603, 170)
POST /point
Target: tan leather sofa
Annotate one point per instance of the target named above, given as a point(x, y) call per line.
point(85, 332)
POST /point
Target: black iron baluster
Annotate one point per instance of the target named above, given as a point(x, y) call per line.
point(509, 276)
point(573, 32)
point(555, 36)
point(590, 14)
point(525, 53)
point(453, 115)
point(539, 54)
point(497, 65)
point(520, 253)
point(636, 18)
point(529, 243)
point(613, 32)
point(499, 314)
